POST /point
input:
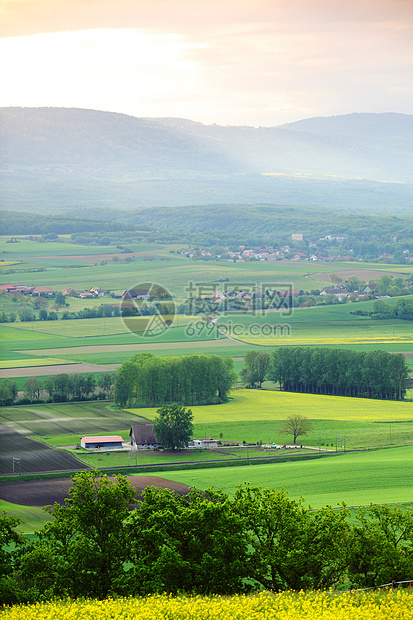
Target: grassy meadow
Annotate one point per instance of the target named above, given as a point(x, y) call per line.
point(32, 518)
point(254, 415)
point(358, 479)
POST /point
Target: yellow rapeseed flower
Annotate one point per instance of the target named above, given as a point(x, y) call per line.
point(263, 606)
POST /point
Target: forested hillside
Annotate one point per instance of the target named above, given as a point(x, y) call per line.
point(57, 158)
point(366, 236)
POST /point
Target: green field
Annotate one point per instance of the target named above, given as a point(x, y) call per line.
point(78, 266)
point(383, 476)
point(33, 518)
point(149, 457)
point(68, 421)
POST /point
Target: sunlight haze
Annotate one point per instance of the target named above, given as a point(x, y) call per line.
point(232, 63)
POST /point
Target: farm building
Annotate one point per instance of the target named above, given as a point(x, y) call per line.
point(110, 442)
point(142, 436)
point(137, 293)
point(204, 444)
point(42, 291)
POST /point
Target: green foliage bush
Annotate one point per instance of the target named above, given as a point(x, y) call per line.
point(100, 544)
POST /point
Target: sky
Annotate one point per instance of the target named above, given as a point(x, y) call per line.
point(230, 62)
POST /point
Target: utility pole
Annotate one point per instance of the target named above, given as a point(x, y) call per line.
point(16, 461)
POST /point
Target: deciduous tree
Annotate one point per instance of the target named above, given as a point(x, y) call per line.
point(383, 546)
point(88, 534)
point(296, 425)
point(32, 388)
point(194, 543)
point(173, 426)
point(292, 546)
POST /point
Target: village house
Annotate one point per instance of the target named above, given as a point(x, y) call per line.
point(138, 294)
point(339, 292)
point(42, 291)
point(97, 291)
point(86, 295)
point(8, 288)
point(143, 437)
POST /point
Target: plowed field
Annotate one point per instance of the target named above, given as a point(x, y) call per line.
point(46, 492)
point(34, 456)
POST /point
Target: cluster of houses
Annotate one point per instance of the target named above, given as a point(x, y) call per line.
point(340, 291)
point(307, 253)
point(142, 437)
point(34, 291)
point(92, 293)
point(262, 254)
point(237, 299)
point(46, 291)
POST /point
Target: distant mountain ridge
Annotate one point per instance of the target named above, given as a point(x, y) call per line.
point(73, 157)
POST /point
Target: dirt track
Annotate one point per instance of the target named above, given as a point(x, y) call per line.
point(46, 492)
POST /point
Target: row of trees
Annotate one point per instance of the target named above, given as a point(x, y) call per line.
point(59, 388)
point(27, 314)
point(204, 542)
point(369, 374)
point(197, 379)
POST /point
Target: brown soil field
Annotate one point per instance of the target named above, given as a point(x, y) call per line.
point(69, 369)
point(34, 456)
point(134, 348)
point(46, 492)
point(360, 274)
point(96, 258)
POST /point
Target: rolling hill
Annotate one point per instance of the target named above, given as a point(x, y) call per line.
point(61, 158)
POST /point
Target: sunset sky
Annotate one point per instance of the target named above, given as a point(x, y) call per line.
point(231, 62)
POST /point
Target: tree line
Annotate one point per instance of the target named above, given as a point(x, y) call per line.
point(149, 380)
point(20, 223)
point(364, 374)
point(98, 543)
point(58, 388)
point(27, 314)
